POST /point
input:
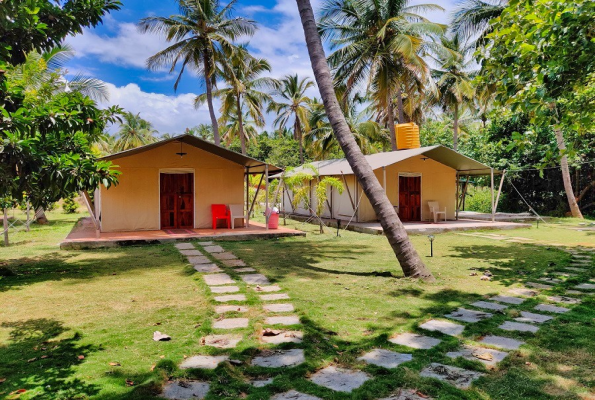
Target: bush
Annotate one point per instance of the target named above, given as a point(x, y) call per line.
point(70, 205)
point(479, 200)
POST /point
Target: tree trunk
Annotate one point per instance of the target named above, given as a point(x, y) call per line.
point(5, 227)
point(209, 86)
point(40, 216)
point(410, 261)
point(400, 108)
point(241, 125)
point(455, 134)
point(574, 209)
point(298, 134)
point(391, 122)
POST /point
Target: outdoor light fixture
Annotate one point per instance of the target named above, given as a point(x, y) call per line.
point(181, 153)
point(431, 238)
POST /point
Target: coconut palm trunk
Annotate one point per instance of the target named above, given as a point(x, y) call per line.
point(209, 87)
point(299, 137)
point(241, 124)
point(391, 122)
point(455, 134)
point(400, 108)
point(410, 261)
point(572, 203)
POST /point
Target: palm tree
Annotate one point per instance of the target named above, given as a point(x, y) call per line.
point(134, 132)
point(200, 34)
point(244, 90)
point(242, 126)
point(471, 18)
point(293, 106)
point(453, 79)
point(203, 131)
point(394, 230)
point(381, 44)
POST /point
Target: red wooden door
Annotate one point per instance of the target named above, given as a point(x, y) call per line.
point(410, 198)
point(177, 201)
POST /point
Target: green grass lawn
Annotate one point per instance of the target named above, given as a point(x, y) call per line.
point(349, 291)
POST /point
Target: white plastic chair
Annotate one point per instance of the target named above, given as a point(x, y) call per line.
point(435, 210)
point(237, 211)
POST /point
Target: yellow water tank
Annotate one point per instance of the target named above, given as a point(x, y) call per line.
point(407, 136)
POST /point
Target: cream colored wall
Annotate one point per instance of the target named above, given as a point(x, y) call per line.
point(134, 203)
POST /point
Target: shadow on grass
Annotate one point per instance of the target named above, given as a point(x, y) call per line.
point(37, 361)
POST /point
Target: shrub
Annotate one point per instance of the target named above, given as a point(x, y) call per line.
point(70, 205)
point(479, 200)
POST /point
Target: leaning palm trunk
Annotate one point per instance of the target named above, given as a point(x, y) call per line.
point(574, 208)
point(299, 137)
point(209, 87)
point(455, 135)
point(410, 261)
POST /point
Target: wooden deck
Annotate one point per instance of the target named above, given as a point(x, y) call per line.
point(83, 235)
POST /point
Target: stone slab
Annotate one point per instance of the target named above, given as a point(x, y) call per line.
point(537, 285)
point(192, 252)
point(502, 342)
point(255, 279)
point(221, 341)
point(224, 309)
point(231, 323)
point(230, 297)
point(585, 286)
point(224, 289)
point(197, 260)
point(533, 318)
point(266, 289)
point(459, 377)
point(339, 379)
point(205, 243)
point(203, 362)
point(184, 246)
point(524, 292)
point(278, 307)
point(279, 358)
point(549, 279)
point(576, 269)
point(218, 279)
point(277, 296)
point(207, 268)
point(224, 256)
point(518, 326)
point(284, 337)
point(214, 249)
point(489, 305)
point(244, 269)
point(446, 327)
point(488, 357)
point(552, 309)
point(234, 263)
point(385, 358)
point(570, 291)
point(563, 300)
point(283, 320)
point(261, 382)
point(406, 394)
point(294, 395)
point(508, 299)
point(415, 341)
point(464, 315)
point(566, 274)
point(182, 390)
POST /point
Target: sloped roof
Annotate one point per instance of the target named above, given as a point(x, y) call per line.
point(438, 153)
point(255, 165)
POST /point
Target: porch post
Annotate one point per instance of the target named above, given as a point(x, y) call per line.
point(247, 170)
point(499, 191)
point(457, 199)
point(492, 190)
point(266, 195)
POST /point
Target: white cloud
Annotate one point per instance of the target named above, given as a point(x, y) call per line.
point(168, 114)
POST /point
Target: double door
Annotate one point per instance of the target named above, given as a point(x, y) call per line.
point(177, 201)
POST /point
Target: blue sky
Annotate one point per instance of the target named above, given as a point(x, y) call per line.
point(115, 52)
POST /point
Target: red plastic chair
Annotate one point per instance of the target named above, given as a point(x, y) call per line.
point(220, 211)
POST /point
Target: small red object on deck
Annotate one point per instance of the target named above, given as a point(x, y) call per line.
point(220, 211)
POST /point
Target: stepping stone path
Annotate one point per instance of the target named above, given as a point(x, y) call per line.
point(182, 390)
point(532, 317)
point(278, 307)
point(270, 288)
point(523, 292)
point(502, 342)
point(224, 309)
point(538, 285)
point(279, 358)
point(246, 269)
point(446, 327)
point(199, 259)
point(508, 299)
point(585, 286)
point(415, 341)
point(213, 249)
point(222, 341)
point(489, 357)
point(218, 279)
point(284, 320)
point(192, 253)
point(406, 394)
point(563, 299)
point(184, 246)
point(203, 244)
point(576, 269)
point(465, 315)
point(203, 362)
point(207, 268)
point(552, 309)
point(385, 358)
point(294, 395)
point(224, 256)
point(230, 297)
point(339, 379)
point(518, 326)
point(489, 306)
point(284, 337)
point(551, 280)
point(261, 382)
point(255, 279)
point(231, 323)
point(234, 263)
point(268, 297)
point(459, 377)
point(224, 289)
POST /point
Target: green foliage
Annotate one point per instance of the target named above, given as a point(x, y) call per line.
point(69, 204)
point(134, 132)
point(480, 200)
